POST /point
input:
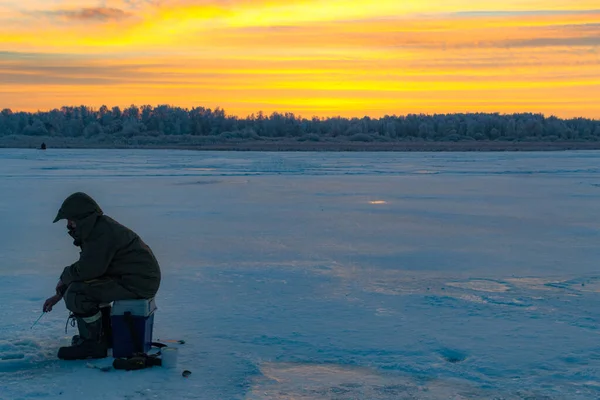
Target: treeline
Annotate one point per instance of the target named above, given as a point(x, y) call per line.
point(167, 122)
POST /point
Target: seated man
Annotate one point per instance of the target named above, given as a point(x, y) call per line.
point(114, 264)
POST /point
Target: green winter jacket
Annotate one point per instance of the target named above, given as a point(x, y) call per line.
point(108, 249)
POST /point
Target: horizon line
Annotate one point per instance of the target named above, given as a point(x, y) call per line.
point(299, 115)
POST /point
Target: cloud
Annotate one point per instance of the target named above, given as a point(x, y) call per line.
point(38, 56)
point(138, 4)
point(508, 13)
point(35, 69)
point(397, 35)
point(555, 41)
point(467, 70)
point(17, 78)
point(99, 14)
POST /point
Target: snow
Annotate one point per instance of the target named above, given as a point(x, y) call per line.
point(321, 275)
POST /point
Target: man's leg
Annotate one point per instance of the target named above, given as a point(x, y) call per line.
point(83, 299)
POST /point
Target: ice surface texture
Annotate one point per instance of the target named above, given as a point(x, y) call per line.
point(321, 275)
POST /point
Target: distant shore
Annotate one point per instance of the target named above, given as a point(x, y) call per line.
point(295, 146)
point(404, 146)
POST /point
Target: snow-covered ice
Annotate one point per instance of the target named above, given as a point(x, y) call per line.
point(321, 275)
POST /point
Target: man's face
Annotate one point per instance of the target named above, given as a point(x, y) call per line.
point(71, 225)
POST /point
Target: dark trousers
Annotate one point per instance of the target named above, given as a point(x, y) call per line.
point(84, 298)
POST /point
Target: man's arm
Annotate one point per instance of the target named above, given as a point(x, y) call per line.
point(61, 288)
point(94, 259)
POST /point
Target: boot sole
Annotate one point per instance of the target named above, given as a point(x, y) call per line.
point(64, 354)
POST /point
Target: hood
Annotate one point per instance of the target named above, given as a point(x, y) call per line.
point(82, 209)
point(77, 207)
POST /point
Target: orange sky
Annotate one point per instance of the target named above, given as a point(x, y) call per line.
point(310, 57)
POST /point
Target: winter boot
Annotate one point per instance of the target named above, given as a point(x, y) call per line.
point(106, 327)
point(89, 344)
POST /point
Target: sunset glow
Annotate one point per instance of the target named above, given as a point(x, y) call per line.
point(309, 57)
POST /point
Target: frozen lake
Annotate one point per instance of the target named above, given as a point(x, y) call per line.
point(321, 275)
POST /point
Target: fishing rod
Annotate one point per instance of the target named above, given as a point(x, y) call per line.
point(36, 321)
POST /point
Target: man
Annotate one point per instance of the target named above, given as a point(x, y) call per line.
point(114, 264)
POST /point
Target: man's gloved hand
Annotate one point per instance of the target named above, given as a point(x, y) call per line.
point(51, 302)
point(61, 288)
